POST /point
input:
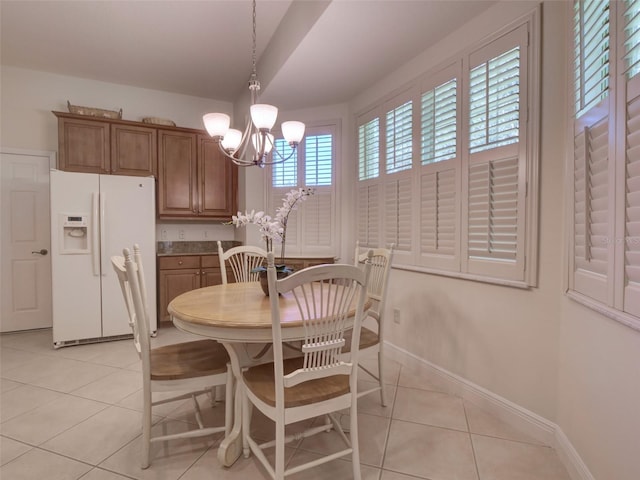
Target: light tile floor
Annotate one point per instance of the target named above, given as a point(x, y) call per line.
point(75, 413)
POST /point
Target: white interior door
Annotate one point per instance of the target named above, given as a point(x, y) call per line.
point(25, 266)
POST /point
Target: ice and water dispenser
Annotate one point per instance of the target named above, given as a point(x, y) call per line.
point(74, 233)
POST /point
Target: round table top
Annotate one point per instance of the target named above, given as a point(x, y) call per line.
point(232, 305)
point(235, 312)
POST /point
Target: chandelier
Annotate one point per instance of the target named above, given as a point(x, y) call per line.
point(257, 133)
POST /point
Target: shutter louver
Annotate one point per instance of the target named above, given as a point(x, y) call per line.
point(632, 211)
point(591, 210)
point(397, 213)
point(493, 210)
point(438, 221)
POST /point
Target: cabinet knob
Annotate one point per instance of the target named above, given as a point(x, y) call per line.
point(180, 262)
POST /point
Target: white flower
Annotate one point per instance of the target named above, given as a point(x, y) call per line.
point(274, 229)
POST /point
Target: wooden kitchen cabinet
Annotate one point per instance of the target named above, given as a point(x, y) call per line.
point(195, 180)
point(182, 273)
point(177, 174)
point(107, 147)
point(83, 145)
point(133, 150)
point(217, 181)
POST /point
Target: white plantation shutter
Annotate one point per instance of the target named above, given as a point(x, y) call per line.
point(493, 210)
point(369, 149)
point(312, 227)
point(631, 17)
point(495, 102)
point(368, 202)
point(591, 45)
point(439, 123)
point(318, 151)
point(369, 215)
point(495, 177)
point(316, 214)
point(591, 210)
point(631, 243)
point(398, 213)
point(399, 138)
point(438, 236)
point(439, 232)
point(285, 174)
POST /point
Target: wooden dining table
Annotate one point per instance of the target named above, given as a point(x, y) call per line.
point(238, 315)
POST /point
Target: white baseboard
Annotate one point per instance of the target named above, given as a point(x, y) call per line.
point(526, 421)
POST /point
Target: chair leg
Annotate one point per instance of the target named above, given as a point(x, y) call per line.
point(146, 429)
point(383, 395)
point(279, 470)
point(353, 436)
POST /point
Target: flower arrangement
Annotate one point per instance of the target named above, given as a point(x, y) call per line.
point(274, 228)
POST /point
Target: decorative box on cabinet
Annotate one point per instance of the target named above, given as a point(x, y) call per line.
point(107, 147)
point(182, 273)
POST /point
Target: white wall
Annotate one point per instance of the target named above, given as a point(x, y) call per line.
point(533, 347)
point(27, 98)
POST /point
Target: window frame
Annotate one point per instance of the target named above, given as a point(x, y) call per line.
point(298, 244)
point(528, 28)
point(606, 290)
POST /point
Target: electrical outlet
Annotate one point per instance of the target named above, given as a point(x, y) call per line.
point(396, 316)
point(205, 234)
point(181, 234)
point(163, 234)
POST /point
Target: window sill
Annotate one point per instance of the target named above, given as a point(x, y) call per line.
point(609, 312)
point(463, 276)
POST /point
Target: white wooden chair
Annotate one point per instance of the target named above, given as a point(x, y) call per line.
point(321, 381)
point(242, 260)
point(377, 291)
point(192, 368)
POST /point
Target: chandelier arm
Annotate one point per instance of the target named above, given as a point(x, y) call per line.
point(281, 158)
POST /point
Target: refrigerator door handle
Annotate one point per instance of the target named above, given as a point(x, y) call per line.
point(103, 246)
point(95, 247)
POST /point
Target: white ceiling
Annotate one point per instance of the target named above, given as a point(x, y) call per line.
point(321, 52)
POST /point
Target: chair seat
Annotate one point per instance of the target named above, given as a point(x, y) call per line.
point(368, 338)
point(188, 360)
point(260, 380)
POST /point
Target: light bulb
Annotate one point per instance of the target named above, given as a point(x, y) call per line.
point(293, 131)
point(231, 140)
point(217, 124)
point(264, 116)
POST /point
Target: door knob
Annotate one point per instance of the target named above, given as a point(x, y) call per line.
point(44, 251)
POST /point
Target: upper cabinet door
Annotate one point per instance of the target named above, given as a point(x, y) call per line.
point(133, 150)
point(83, 145)
point(177, 174)
point(218, 181)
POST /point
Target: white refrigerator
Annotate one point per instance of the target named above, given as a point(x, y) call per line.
point(94, 217)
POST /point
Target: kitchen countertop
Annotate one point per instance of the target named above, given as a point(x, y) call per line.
point(164, 249)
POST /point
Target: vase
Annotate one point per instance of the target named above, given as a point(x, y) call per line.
point(281, 272)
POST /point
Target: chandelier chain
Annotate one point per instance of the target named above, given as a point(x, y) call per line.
point(253, 55)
